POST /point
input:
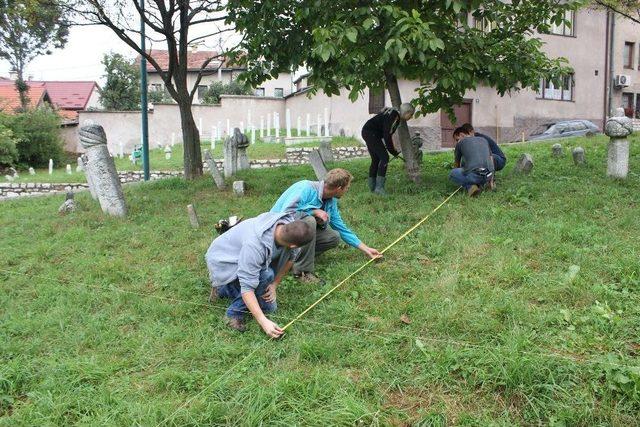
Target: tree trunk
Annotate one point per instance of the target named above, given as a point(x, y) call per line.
point(191, 140)
point(410, 162)
point(23, 90)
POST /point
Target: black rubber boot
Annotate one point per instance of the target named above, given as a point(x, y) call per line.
point(372, 183)
point(380, 180)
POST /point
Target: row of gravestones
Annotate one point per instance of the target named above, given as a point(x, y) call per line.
point(617, 128)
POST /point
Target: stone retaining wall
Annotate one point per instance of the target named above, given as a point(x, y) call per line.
point(298, 156)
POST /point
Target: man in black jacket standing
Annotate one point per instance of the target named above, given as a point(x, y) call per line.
point(377, 129)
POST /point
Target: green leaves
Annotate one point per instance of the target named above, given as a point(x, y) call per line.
point(351, 34)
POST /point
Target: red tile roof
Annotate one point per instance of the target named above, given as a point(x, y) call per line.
point(69, 95)
point(10, 98)
point(194, 60)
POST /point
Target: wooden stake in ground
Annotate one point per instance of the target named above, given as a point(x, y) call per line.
point(193, 216)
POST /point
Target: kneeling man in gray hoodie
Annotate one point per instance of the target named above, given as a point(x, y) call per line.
point(247, 263)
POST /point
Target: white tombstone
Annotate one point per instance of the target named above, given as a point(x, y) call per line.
point(261, 126)
point(173, 138)
point(253, 134)
point(214, 134)
point(200, 126)
point(319, 132)
point(248, 119)
point(276, 124)
point(242, 127)
point(268, 124)
point(287, 118)
point(219, 131)
point(32, 171)
point(79, 168)
point(167, 153)
point(299, 127)
point(308, 127)
point(120, 150)
point(238, 188)
point(228, 127)
point(50, 166)
point(326, 122)
point(69, 170)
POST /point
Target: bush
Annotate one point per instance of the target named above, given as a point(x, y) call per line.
point(37, 133)
point(8, 150)
point(213, 92)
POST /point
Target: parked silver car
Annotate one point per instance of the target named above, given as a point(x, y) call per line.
point(566, 129)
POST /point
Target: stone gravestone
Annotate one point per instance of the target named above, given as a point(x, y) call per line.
point(317, 164)
point(325, 151)
point(578, 156)
point(167, 153)
point(242, 142)
point(101, 169)
point(213, 169)
point(69, 204)
point(617, 129)
point(230, 157)
point(193, 216)
point(556, 150)
point(79, 167)
point(69, 170)
point(238, 188)
point(524, 164)
point(82, 163)
point(32, 171)
point(416, 145)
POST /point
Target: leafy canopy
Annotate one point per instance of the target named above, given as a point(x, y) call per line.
point(122, 88)
point(352, 43)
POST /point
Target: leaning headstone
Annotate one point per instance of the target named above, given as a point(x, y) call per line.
point(69, 170)
point(325, 151)
point(69, 204)
point(524, 164)
point(32, 171)
point(242, 142)
point(556, 150)
point(230, 157)
point(101, 170)
point(578, 156)
point(238, 188)
point(213, 169)
point(617, 129)
point(317, 164)
point(193, 217)
point(82, 163)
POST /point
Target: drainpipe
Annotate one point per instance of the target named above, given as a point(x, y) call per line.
point(611, 58)
point(606, 70)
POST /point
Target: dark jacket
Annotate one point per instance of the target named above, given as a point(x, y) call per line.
point(383, 125)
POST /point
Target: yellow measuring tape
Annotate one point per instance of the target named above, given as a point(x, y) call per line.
point(363, 266)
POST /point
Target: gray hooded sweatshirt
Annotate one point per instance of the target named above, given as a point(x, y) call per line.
point(245, 250)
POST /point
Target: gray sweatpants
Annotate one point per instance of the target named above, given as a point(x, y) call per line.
point(322, 241)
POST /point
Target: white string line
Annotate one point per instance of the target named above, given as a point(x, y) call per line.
point(380, 334)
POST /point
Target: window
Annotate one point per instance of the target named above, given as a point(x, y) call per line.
point(259, 91)
point(484, 24)
point(201, 90)
point(156, 87)
point(278, 92)
point(627, 104)
point(376, 100)
point(627, 55)
point(563, 92)
point(567, 27)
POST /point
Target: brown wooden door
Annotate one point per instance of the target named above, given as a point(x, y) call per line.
point(463, 115)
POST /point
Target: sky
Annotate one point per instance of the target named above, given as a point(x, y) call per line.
point(80, 58)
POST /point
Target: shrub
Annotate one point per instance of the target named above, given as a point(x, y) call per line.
point(8, 150)
point(213, 92)
point(38, 137)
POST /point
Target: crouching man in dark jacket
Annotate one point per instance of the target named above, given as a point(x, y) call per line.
point(247, 263)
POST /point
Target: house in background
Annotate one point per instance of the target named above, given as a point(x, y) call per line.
point(10, 98)
point(69, 97)
point(218, 70)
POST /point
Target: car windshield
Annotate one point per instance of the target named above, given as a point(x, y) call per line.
point(540, 129)
point(551, 130)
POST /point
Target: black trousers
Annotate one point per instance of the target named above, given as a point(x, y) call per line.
point(378, 153)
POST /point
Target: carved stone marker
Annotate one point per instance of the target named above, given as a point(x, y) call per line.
point(213, 169)
point(230, 157)
point(578, 156)
point(617, 129)
point(325, 151)
point(416, 145)
point(82, 163)
point(556, 150)
point(317, 164)
point(524, 164)
point(238, 188)
point(242, 142)
point(101, 170)
point(69, 204)
point(193, 217)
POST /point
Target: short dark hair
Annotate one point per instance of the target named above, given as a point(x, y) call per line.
point(467, 128)
point(297, 233)
point(458, 131)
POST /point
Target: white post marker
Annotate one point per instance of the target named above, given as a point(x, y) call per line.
point(319, 132)
point(214, 135)
point(242, 127)
point(249, 119)
point(261, 126)
point(253, 134)
point(287, 118)
point(299, 127)
point(269, 124)
point(219, 130)
point(228, 127)
point(120, 150)
point(200, 126)
point(308, 124)
point(276, 123)
point(69, 171)
point(173, 138)
point(50, 166)
point(326, 122)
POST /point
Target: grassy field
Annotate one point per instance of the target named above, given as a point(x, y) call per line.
point(519, 307)
point(157, 160)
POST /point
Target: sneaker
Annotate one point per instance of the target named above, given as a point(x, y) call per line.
point(306, 277)
point(236, 323)
point(213, 296)
point(474, 191)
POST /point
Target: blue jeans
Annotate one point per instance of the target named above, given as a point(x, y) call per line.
point(238, 308)
point(499, 162)
point(458, 176)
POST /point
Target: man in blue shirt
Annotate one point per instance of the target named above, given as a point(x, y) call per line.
point(316, 202)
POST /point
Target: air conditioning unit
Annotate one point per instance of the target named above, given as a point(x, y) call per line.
point(623, 80)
